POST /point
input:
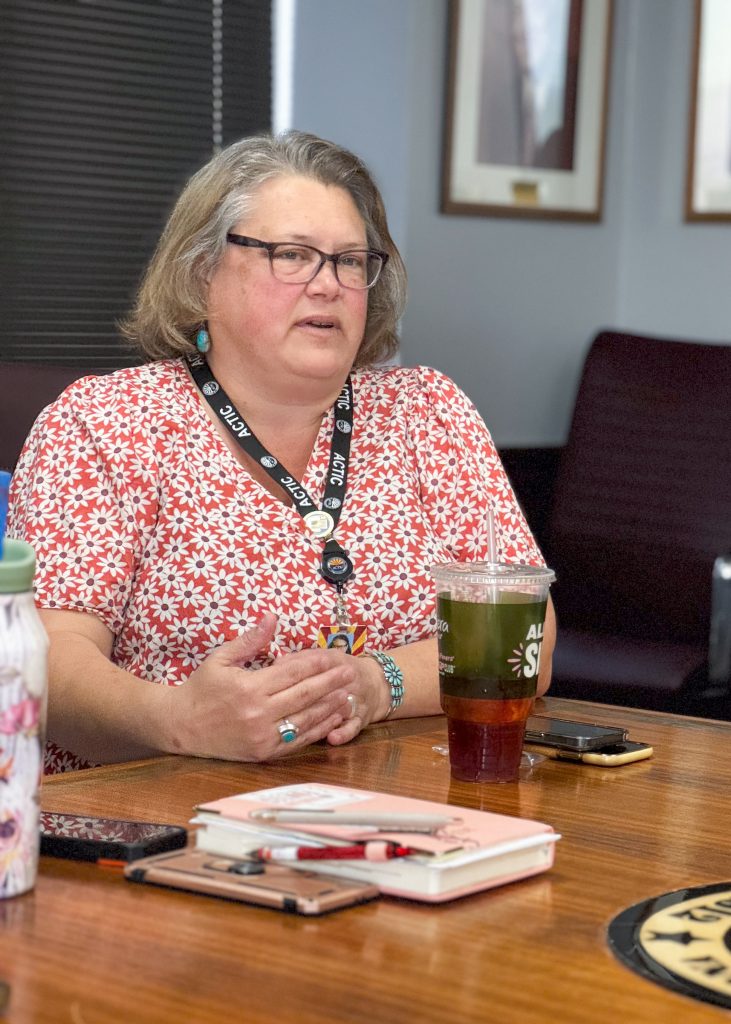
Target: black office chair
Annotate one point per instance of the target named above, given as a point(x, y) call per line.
point(26, 389)
point(641, 509)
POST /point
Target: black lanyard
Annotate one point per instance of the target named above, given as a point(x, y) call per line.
point(335, 566)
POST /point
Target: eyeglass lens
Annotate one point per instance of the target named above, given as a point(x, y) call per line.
point(300, 263)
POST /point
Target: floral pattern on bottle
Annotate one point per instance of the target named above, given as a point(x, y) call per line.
point(23, 646)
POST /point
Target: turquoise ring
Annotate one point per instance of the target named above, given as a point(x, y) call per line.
point(287, 730)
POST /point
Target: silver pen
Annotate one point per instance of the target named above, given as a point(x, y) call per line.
point(382, 822)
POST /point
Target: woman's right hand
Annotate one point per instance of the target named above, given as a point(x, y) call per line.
point(226, 711)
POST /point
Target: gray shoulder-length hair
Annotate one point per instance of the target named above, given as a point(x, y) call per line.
point(172, 300)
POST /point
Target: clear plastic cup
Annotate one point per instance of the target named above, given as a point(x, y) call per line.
point(490, 618)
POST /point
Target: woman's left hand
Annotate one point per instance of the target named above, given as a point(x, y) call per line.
point(369, 698)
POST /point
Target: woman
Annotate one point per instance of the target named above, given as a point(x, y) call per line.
point(200, 521)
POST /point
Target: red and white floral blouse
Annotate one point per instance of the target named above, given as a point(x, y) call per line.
point(140, 515)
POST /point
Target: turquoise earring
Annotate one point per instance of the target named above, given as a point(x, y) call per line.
point(203, 341)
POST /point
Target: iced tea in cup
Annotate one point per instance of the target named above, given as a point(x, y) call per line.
point(490, 618)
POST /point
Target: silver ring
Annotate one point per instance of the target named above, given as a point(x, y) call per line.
point(287, 730)
point(353, 702)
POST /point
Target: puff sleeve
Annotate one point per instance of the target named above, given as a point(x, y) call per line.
point(84, 495)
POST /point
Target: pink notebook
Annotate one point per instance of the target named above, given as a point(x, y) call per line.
point(467, 852)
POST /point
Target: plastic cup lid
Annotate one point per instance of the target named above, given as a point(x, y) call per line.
point(17, 567)
point(493, 574)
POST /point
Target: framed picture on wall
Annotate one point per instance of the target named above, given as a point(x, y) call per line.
point(526, 108)
point(708, 189)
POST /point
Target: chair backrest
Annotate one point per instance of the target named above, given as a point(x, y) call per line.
point(642, 504)
point(26, 389)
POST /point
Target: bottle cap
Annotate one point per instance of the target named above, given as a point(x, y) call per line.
point(17, 566)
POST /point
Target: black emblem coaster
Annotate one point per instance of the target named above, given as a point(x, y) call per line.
point(681, 940)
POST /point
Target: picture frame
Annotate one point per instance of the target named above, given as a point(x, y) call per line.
point(708, 181)
point(526, 108)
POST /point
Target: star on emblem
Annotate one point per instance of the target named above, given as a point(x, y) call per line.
point(516, 663)
point(685, 938)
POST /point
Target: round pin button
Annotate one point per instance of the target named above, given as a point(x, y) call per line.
point(320, 524)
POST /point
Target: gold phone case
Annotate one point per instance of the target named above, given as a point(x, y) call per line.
point(271, 885)
point(632, 752)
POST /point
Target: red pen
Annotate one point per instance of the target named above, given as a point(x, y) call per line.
point(376, 850)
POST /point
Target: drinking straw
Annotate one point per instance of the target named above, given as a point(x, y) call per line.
point(494, 591)
point(491, 538)
point(4, 491)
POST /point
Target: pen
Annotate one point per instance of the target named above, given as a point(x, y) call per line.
point(4, 492)
point(375, 851)
point(385, 822)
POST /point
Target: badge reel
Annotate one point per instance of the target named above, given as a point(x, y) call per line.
point(337, 568)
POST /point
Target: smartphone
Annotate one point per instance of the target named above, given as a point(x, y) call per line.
point(557, 732)
point(84, 837)
point(248, 881)
point(612, 756)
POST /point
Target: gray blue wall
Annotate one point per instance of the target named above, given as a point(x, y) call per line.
point(508, 307)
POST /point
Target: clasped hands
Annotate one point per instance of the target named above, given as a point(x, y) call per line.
point(227, 711)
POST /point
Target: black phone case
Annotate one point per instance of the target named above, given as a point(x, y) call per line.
point(578, 743)
point(72, 848)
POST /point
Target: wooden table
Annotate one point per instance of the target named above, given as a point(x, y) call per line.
point(87, 947)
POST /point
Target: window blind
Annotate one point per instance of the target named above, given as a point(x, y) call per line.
point(106, 108)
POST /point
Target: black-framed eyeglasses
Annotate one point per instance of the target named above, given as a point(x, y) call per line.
point(293, 263)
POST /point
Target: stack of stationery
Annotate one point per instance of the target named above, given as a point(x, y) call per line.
point(411, 848)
